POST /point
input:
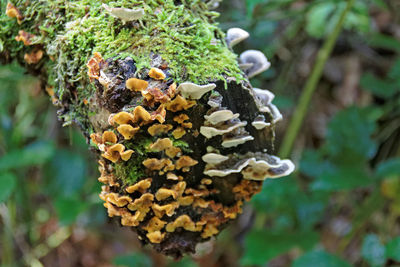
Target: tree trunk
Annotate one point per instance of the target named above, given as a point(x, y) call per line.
point(183, 139)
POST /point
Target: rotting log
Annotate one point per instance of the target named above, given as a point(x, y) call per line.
point(183, 139)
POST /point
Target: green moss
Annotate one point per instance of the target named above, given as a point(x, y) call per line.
point(184, 146)
point(130, 171)
point(184, 34)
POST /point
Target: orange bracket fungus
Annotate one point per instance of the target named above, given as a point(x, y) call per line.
point(182, 138)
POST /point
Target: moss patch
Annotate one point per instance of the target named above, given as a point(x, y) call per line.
point(130, 171)
point(183, 32)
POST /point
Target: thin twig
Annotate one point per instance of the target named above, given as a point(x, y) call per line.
point(311, 85)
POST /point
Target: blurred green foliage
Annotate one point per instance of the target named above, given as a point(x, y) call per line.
point(340, 208)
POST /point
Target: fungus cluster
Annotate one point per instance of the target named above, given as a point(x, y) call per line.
point(185, 139)
point(181, 146)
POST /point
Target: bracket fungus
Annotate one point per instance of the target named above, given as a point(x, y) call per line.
point(194, 91)
point(181, 137)
point(235, 36)
point(124, 14)
point(256, 60)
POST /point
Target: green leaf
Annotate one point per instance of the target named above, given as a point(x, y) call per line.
point(8, 181)
point(393, 249)
point(33, 154)
point(262, 246)
point(312, 164)
point(373, 251)
point(384, 41)
point(381, 88)
point(394, 73)
point(343, 177)
point(66, 173)
point(318, 19)
point(133, 260)
point(320, 259)
point(68, 209)
point(273, 191)
point(251, 4)
point(388, 168)
point(349, 134)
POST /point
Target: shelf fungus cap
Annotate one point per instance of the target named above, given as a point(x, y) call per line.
point(185, 161)
point(179, 103)
point(113, 153)
point(235, 36)
point(264, 95)
point(164, 193)
point(236, 168)
point(123, 118)
point(158, 129)
point(181, 118)
point(194, 91)
point(276, 114)
point(259, 122)
point(161, 144)
point(109, 137)
point(126, 155)
point(178, 132)
point(157, 74)
point(155, 224)
point(237, 140)
point(213, 158)
point(210, 132)
point(221, 116)
point(258, 59)
point(183, 221)
point(213, 4)
point(140, 186)
point(155, 237)
point(173, 151)
point(141, 115)
point(33, 57)
point(127, 131)
point(260, 170)
point(168, 209)
point(135, 84)
point(13, 12)
point(117, 200)
point(154, 164)
point(124, 14)
point(143, 203)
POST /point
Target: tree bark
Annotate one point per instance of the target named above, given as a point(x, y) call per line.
point(183, 139)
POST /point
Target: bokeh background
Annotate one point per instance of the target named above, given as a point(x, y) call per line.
point(340, 208)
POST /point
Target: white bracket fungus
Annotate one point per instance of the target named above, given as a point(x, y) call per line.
point(261, 170)
point(222, 173)
point(276, 114)
point(265, 96)
point(209, 132)
point(245, 66)
point(258, 59)
point(259, 123)
point(213, 158)
point(213, 4)
point(235, 36)
point(253, 169)
point(194, 91)
point(221, 116)
point(235, 141)
point(124, 14)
